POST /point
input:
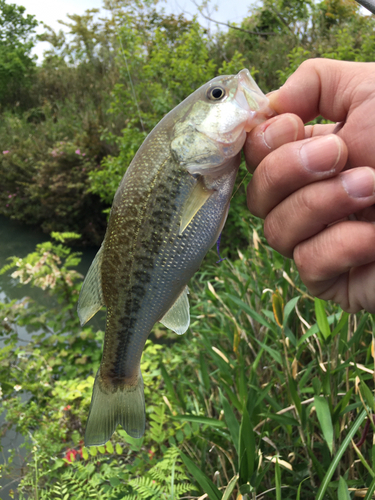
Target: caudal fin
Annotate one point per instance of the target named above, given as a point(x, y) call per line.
point(124, 406)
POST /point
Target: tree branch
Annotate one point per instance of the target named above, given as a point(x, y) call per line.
point(259, 33)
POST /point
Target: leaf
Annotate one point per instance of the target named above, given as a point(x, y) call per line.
point(272, 352)
point(278, 308)
point(314, 329)
point(168, 383)
point(230, 487)
point(334, 463)
point(370, 490)
point(204, 482)
point(277, 480)
point(289, 308)
point(343, 492)
point(367, 394)
point(93, 451)
point(300, 487)
point(325, 420)
point(343, 322)
point(247, 451)
point(295, 396)
point(115, 481)
point(231, 420)
point(118, 449)
point(212, 422)
point(281, 419)
point(247, 309)
point(109, 447)
point(321, 318)
point(85, 454)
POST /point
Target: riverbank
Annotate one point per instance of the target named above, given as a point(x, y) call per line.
point(19, 240)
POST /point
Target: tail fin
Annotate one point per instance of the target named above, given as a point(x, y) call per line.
point(123, 405)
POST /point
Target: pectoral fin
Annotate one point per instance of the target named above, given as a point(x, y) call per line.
point(91, 296)
point(198, 197)
point(178, 317)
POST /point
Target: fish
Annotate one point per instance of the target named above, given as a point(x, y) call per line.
point(168, 211)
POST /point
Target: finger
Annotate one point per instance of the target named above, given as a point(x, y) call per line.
point(269, 136)
point(291, 167)
point(337, 90)
point(311, 209)
point(338, 264)
point(320, 87)
point(320, 129)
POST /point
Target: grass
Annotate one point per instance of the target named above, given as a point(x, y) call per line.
point(269, 395)
point(291, 377)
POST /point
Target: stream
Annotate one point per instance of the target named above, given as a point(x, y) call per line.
point(19, 240)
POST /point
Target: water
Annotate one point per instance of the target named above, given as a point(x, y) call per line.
point(19, 240)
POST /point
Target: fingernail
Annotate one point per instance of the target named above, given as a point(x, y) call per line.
point(282, 130)
point(359, 182)
point(321, 154)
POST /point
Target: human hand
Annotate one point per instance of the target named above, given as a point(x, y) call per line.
point(309, 180)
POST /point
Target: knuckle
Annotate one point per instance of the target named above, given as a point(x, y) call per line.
point(273, 234)
point(304, 203)
point(299, 256)
point(306, 256)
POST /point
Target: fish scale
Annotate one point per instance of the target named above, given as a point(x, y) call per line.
point(168, 211)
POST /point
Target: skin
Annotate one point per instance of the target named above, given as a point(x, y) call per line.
point(308, 180)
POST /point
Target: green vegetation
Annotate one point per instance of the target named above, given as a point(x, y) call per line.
point(270, 392)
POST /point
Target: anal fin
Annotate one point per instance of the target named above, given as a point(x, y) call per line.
point(178, 316)
point(197, 198)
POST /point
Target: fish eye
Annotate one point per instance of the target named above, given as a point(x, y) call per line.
point(216, 93)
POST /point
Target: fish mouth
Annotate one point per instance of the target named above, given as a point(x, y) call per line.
point(251, 98)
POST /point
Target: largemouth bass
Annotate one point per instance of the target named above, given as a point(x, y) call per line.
point(168, 211)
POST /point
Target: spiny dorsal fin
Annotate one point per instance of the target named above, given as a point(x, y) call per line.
point(197, 198)
point(91, 296)
point(178, 317)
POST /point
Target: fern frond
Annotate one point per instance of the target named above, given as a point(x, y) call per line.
point(147, 487)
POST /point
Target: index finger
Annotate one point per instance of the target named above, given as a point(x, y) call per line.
point(322, 87)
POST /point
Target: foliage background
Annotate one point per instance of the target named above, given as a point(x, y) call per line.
point(270, 390)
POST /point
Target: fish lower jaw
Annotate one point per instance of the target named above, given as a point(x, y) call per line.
point(258, 117)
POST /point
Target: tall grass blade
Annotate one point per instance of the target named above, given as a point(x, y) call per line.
point(343, 322)
point(204, 482)
point(272, 352)
point(370, 490)
point(247, 451)
point(231, 420)
point(289, 306)
point(277, 480)
point(253, 314)
point(315, 329)
point(331, 469)
point(278, 308)
point(321, 318)
point(343, 492)
point(359, 331)
point(212, 422)
point(228, 490)
point(298, 497)
point(295, 396)
point(172, 479)
point(366, 393)
point(325, 420)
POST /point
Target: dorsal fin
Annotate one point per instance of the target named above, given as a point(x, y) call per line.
point(177, 318)
point(91, 296)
